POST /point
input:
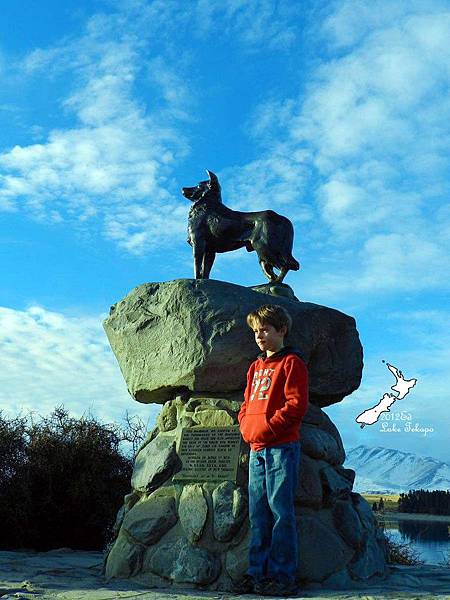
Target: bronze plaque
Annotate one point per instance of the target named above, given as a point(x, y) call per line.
point(209, 453)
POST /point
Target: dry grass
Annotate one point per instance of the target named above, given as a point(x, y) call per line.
point(390, 500)
point(399, 553)
point(402, 554)
point(445, 562)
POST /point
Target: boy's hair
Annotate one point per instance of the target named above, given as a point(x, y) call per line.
point(271, 314)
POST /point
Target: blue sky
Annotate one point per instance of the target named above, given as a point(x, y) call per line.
point(335, 114)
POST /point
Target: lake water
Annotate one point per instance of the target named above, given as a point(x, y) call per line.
point(431, 539)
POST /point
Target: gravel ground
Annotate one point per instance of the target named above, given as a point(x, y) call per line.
point(72, 575)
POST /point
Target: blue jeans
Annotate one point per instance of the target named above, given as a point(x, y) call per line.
point(273, 476)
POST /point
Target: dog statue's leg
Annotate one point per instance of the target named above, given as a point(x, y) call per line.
point(268, 271)
point(208, 261)
point(198, 249)
point(282, 275)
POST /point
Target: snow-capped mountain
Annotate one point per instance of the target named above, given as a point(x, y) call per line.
point(393, 471)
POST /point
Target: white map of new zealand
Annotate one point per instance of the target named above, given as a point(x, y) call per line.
point(401, 386)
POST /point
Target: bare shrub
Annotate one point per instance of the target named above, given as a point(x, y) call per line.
point(62, 479)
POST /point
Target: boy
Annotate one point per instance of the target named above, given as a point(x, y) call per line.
point(275, 401)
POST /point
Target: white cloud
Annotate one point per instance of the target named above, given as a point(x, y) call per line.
point(49, 358)
point(397, 261)
point(368, 141)
point(252, 22)
point(117, 159)
point(268, 183)
point(350, 21)
point(340, 197)
point(390, 264)
point(429, 340)
point(112, 169)
point(377, 116)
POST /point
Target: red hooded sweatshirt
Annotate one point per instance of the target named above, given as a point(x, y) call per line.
point(275, 399)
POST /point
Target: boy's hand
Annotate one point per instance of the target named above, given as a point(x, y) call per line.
point(257, 429)
point(279, 424)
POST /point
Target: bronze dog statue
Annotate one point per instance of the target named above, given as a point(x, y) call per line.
point(212, 227)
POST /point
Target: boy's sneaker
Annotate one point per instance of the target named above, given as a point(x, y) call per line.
point(280, 588)
point(246, 585)
point(261, 585)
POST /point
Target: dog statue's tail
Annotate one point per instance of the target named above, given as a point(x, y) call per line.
point(286, 261)
point(293, 264)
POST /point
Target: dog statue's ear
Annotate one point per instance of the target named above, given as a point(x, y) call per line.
point(213, 181)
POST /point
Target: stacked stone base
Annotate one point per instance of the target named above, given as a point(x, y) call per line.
point(196, 534)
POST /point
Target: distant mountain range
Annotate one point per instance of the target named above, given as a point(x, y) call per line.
point(384, 470)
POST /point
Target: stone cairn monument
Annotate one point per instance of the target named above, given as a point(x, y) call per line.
point(185, 344)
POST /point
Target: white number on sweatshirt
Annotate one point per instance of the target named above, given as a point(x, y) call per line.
point(261, 384)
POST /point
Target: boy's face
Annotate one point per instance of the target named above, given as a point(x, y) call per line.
point(268, 338)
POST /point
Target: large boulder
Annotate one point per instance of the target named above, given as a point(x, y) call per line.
point(191, 335)
point(155, 464)
point(149, 520)
point(230, 509)
point(318, 560)
point(124, 558)
point(180, 562)
point(193, 511)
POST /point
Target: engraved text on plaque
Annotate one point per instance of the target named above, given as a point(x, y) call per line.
point(209, 453)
